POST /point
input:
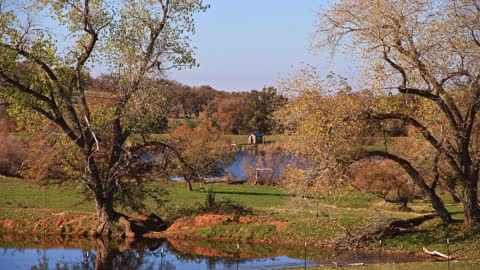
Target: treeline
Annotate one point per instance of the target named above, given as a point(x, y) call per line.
point(227, 112)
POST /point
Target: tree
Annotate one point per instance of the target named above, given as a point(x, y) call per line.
point(316, 132)
point(223, 113)
point(427, 49)
point(135, 40)
point(257, 110)
point(331, 125)
point(203, 150)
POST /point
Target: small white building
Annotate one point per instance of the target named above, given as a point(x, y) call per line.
point(255, 137)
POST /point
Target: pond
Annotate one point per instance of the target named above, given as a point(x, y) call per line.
point(272, 165)
point(31, 252)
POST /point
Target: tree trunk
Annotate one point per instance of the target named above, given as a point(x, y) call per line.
point(189, 182)
point(451, 187)
point(454, 197)
point(106, 214)
point(404, 205)
point(470, 202)
point(439, 206)
point(437, 203)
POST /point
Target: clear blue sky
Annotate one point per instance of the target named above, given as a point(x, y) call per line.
point(248, 44)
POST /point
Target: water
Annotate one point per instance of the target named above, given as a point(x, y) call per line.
point(245, 162)
point(29, 252)
point(146, 254)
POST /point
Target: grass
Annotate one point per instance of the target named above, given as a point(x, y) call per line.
point(258, 197)
point(18, 193)
point(470, 265)
point(239, 231)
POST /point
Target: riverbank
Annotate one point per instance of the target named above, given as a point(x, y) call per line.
point(255, 229)
point(26, 209)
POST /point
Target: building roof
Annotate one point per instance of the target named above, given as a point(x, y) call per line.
point(256, 133)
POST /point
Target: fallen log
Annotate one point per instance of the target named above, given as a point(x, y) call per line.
point(375, 232)
point(436, 254)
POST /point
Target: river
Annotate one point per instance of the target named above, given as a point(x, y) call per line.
point(57, 252)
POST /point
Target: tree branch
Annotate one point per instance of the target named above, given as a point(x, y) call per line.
point(405, 164)
point(425, 133)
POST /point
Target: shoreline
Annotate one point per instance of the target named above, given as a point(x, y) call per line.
point(175, 232)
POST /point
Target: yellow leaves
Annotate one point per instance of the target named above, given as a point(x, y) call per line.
point(324, 123)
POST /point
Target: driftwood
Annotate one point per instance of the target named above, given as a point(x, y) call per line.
point(437, 254)
point(348, 264)
point(342, 265)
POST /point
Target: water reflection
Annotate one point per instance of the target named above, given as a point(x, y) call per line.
point(78, 253)
point(54, 253)
point(245, 163)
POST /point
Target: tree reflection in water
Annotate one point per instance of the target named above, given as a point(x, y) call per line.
point(135, 254)
point(80, 253)
point(128, 254)
point(109, 254)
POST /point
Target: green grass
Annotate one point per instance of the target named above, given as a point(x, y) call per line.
point(356, 199)
point(239, 231)
point(470, 265)
point(257, 197)
point(18, 193)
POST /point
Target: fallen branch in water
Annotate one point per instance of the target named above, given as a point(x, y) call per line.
point(436, 254)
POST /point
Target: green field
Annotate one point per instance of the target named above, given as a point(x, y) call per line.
point(18, 193)
point(411, 266)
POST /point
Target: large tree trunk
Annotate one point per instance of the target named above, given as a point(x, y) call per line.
point(106, 214)
point(470, 201)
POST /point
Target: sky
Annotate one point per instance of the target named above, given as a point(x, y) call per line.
point(248, 44)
